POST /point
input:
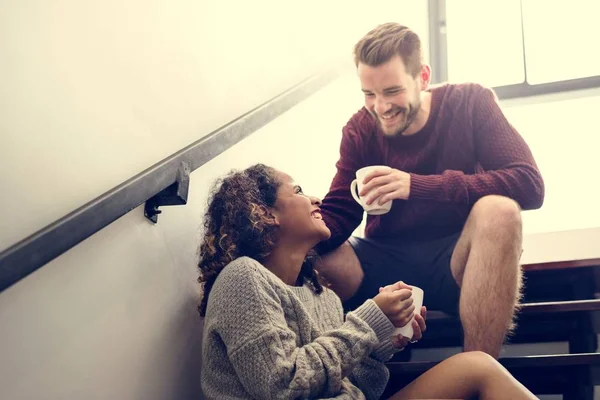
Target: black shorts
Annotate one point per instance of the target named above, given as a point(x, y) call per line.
point(422, 264)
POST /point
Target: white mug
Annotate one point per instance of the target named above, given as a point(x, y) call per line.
point(407, 330)
point(374, 208)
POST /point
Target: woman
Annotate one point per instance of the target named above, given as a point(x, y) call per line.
point(272, 330)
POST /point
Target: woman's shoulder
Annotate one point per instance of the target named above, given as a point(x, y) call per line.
point(242, 274)
point(244, 294)
point(241, 266)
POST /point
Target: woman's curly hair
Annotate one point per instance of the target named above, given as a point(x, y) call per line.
point(238, 223)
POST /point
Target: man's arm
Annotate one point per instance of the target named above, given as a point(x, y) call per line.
point(509, 167)
point(341, 213)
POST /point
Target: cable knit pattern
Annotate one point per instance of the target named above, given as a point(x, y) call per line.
point(466, 150)
point(264, 339)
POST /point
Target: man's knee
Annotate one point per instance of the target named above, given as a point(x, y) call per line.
point(339, 258)
point(497, 213)
point(342, 270)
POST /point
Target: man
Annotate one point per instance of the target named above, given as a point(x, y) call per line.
point(460, 174)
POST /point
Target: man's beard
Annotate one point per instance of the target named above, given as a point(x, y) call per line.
point(407, 115)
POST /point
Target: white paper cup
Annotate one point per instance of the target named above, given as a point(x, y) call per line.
point(407, 330)
point(374, 208)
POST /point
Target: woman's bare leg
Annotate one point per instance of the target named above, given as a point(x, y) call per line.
point(464, 376)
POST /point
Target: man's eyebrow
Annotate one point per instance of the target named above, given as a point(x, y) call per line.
point(388, 89)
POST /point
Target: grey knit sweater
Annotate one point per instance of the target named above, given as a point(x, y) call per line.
point(264, 339)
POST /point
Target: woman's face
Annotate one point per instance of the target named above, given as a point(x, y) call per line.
point(299, 215)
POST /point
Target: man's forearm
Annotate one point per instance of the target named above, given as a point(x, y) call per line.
point(522, 183)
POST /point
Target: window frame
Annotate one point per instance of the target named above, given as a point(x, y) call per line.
point(438, 56)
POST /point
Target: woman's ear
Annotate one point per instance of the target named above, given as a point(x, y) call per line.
point(260, 212)
point(275, 216)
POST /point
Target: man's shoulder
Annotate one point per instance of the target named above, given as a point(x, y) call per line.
point(461, 100)
point(460, 90)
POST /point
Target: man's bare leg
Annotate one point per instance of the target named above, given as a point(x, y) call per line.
point(341, 268)
point(485, 263)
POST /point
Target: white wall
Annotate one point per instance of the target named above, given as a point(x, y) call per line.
point(93, 93)
point(564, 134)
point(115, 317)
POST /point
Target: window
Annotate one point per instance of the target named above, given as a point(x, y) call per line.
point(485, 43)
point(520, 47)
point(561, 39)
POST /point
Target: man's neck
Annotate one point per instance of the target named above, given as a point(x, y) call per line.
point(422, 116)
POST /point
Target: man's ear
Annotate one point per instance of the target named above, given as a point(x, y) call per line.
point(425, 75)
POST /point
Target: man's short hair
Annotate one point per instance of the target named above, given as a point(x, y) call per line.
point(386, 41)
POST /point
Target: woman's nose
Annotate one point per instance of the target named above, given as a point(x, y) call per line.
point(315, 200)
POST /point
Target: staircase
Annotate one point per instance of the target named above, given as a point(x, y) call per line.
point(559, 305)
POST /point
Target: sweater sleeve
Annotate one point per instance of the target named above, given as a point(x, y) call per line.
point(371, 375)
point(340, 211)
point(509, 167)
point(263, 349)
point(385, 350)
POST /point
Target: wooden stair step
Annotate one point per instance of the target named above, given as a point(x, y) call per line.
point(590, 262)
point(538, 308)
point(555, 321)
point(561, 306)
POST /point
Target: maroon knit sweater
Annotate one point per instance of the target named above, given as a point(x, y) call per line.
point(466, 150)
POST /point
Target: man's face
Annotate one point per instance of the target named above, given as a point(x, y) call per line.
point(392, 95)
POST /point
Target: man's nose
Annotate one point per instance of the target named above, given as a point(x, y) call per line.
point(382, 106)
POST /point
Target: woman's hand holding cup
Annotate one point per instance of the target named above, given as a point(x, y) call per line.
point(417, 319)
point(396, 302)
